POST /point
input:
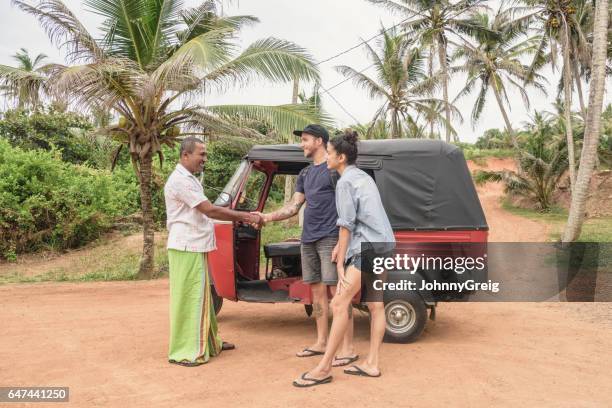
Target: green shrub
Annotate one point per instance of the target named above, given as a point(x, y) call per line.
point(47, 202)
point(69, 132)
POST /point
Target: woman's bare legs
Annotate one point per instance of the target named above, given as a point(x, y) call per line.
point(346, 349)
point(340, 305)
point(377, 332)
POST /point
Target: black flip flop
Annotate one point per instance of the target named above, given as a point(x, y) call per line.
point(185, 363)
point(227, 346)
point(311, 353)
point(313, 381)
point(348, 360)
point(360, 372)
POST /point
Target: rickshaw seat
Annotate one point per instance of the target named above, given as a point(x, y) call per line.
point(282, 249)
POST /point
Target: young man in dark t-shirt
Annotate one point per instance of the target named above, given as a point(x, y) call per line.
point(316, 187)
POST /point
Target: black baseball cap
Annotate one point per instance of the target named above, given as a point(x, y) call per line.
point(315, 130)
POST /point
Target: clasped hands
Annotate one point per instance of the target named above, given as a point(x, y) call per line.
point(256, 219)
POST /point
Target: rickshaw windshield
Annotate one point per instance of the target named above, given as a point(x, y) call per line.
point(232, 186)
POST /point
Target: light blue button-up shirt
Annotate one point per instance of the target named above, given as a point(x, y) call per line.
point(360, 210)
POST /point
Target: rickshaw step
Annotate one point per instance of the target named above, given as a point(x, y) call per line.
point(259, 291)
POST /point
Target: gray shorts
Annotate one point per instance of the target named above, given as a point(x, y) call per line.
point(316, 261)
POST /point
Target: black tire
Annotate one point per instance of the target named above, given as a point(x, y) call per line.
point(217, 300)
point(406, 316)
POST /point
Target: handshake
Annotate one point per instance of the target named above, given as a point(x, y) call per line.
point(256, 219)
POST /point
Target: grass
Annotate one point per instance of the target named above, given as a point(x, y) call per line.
point(118, 265)
point(480, 156)
point(597, 230)
point(593, 230)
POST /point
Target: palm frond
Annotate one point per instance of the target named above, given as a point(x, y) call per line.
point(26, 87)
point(284, 118)
point(363, 81)
point(204, 18)
point(123, 26)
point(204, 53)
point(270, 58)
point(480, 103)
point(63, 29)
point(102, 84)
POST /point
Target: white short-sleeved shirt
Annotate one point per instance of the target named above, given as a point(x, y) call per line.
point(188, 229)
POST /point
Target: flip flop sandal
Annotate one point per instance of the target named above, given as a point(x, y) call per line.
point(345, 360)
point(185, 363)
point(227, 346)
point(310, 353)
point(360, 372)
point(313, 381)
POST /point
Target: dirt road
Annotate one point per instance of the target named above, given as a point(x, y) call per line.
point(107, 342)
point(504, 226)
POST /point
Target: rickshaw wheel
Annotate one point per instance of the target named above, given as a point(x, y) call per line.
point(405, 317)
point(217, 300)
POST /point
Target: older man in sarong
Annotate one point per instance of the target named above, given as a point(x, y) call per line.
point(194, 337)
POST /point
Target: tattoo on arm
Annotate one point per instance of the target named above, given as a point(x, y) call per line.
point(288, 210)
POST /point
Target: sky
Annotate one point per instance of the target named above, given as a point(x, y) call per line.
point(323, 27)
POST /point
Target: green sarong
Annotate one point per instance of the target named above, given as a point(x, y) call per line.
point(193, 325)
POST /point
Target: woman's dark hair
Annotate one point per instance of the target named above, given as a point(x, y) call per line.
point(346, 143)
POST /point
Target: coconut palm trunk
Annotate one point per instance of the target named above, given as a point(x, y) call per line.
point(289, 180)
point(505, 116)
point(394, 124)
point(432, 50)
point(146, 270)
point(519, 167)
point(444, 66)
point(567, 93)
point(579, 89)
point(593, 124)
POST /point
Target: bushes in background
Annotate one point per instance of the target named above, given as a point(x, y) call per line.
point(56, 188)
point(45, 202)
point(44, 130)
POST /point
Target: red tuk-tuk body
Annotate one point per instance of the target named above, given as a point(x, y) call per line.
point(428, 195)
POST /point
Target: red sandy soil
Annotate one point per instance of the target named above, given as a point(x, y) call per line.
point(504, 226)
point(107, 341)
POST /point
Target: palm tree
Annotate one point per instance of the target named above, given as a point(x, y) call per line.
point(24, 82)
point(313, 100)
point(435, 118)
point(153, 64)
point(544, 161)
point(437, 23)
point(559, 28)
point(401, 81)
point(495, 63)
point(378, 130)
point(593, 123)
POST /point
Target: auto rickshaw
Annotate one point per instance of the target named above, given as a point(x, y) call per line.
point(427, 192)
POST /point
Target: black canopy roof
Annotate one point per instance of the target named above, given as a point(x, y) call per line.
point(424, 184)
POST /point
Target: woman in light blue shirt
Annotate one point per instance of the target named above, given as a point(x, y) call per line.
point(363, 226)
